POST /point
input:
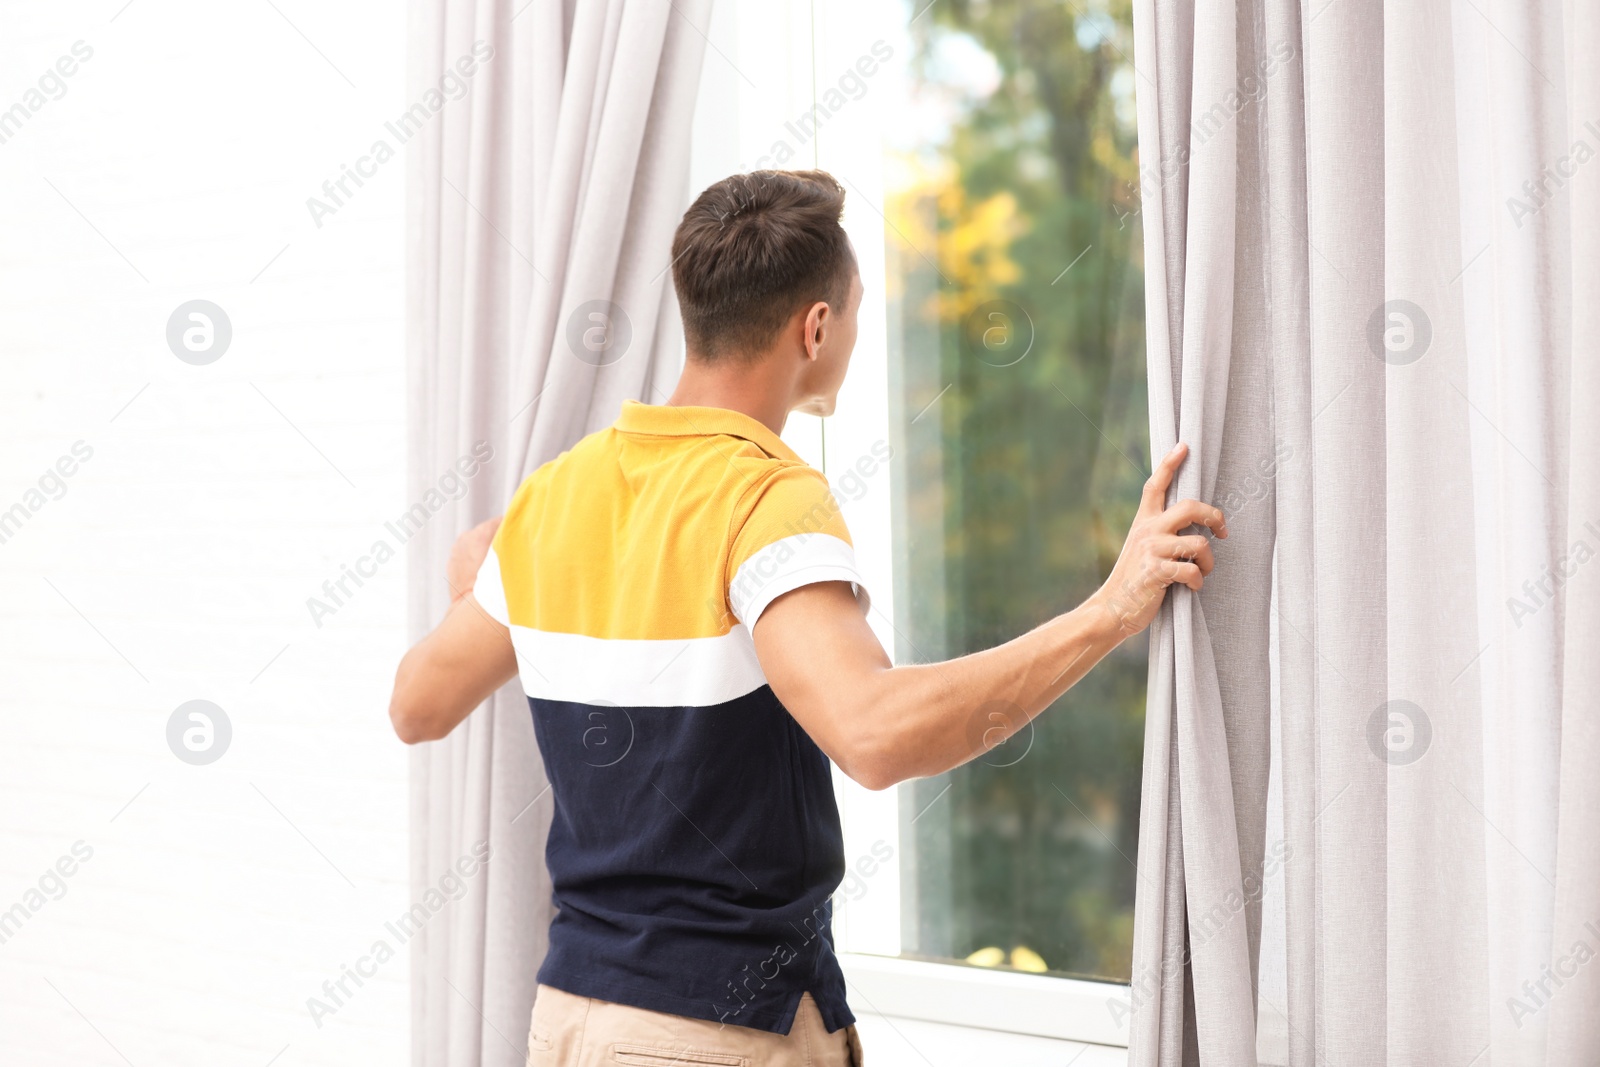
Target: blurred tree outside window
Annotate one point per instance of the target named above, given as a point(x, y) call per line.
point(1017, 384)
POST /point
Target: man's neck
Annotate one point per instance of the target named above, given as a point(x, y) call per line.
point(760, 389)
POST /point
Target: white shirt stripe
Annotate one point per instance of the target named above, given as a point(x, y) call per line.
point(696, 672)
point(488, 590)
point(788, 564)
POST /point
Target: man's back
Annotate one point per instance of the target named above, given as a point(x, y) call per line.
point(695, 841)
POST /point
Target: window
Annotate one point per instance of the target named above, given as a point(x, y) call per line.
point(1017, 410)
point(988, 153)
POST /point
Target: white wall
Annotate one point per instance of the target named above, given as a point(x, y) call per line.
point(178, 562)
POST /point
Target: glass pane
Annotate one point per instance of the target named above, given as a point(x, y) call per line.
point(1016, 308)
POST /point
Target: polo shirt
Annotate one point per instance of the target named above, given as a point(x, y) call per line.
point(696, 843)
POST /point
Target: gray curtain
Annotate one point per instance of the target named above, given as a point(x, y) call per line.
point(541, 199)
point(1373, 284)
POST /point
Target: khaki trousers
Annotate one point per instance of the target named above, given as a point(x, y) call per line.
point(572, 1031)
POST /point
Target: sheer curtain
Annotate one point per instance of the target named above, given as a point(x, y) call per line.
point(542, 206)
point(1373, 269)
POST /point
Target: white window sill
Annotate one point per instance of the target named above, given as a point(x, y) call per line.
point(891, 1042)
point(932, 1012)
point(1068, 1009)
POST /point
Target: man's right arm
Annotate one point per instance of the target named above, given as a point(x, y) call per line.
point(463, 661)
point(884, 724)
point(451, 671)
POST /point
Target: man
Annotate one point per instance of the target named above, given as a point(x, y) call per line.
point(680, 598)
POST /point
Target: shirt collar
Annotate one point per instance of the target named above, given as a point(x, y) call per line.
point(666, 420)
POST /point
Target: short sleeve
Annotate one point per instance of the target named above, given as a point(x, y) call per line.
point(489, 590)
point(791, 535)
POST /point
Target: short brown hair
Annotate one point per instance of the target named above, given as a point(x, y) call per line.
point(751, 251)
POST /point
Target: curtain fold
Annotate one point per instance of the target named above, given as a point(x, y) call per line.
point(1203, 805)
point(1573, 1035)
point(541, 207)
point(1373, 293)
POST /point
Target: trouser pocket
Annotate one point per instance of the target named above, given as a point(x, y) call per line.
point(648, 1056)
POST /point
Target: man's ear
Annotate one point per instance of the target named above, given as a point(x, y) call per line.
point(818, 321)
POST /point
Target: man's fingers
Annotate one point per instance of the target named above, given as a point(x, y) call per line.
point(1179, 572)
point(1190, 547)
point(1192, 577)
point(1160, 480)
point(1192, 513)
point(1201, 554)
